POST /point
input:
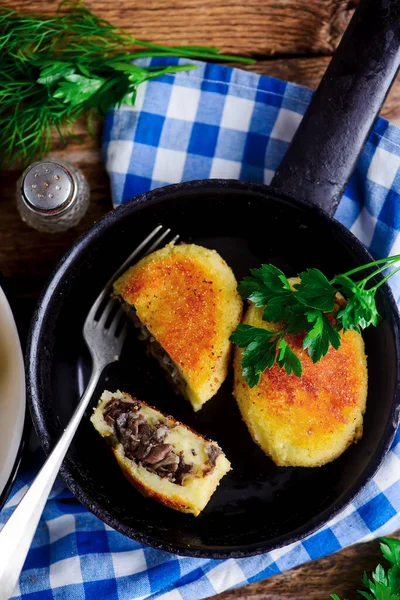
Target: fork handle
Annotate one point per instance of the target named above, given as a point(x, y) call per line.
point(17, 534)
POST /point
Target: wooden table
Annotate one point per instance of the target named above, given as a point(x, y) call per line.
point(291, 39)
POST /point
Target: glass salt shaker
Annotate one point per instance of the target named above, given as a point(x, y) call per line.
point(52, 195)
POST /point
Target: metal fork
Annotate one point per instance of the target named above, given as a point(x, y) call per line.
point(104, 335)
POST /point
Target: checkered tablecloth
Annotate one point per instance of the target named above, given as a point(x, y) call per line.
point(213, 122)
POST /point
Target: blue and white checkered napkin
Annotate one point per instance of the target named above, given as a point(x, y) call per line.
point(214, 122)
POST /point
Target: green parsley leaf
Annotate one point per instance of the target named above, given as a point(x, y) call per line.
point(390, 548)
point(321, 335)
point(394, 579)
point(360, 312)
point(281, 307)
point(315, 291)
point(383, 592)
point(384, 585)
point(257, 358)
point(260, 354)
point(365, 595)
point(77, 89)
point(55, 71)
point(264, 284)
point(312, 308)
point(254, 289)
point(379, 575)
point(260, 350)
point(246, 334)
point(288, 359)
point(345, 285)
point(274, 279)
point(252, 377)
point(296, 321)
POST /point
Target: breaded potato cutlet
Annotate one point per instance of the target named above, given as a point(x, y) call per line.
point(160, 457)
point(184, 299)
point(307, 421)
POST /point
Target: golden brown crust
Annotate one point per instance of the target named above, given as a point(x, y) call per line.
point(181, 312)
point(311, 420)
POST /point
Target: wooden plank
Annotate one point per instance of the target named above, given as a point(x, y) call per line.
point(254, 27)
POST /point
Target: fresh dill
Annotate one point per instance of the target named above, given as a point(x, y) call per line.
point(55, 69)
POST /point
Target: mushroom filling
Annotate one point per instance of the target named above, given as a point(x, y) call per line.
point(157, 351)
point(145, 444)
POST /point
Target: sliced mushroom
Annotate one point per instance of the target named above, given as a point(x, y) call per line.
point(157, 453)
point(143, 442)
point(213, 452)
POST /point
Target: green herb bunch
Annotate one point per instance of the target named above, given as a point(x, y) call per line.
point(313, 306)
point(384, 585)
point(55, 69)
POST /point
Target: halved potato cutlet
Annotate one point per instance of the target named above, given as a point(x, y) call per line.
point(159, 456)
point(184, 298)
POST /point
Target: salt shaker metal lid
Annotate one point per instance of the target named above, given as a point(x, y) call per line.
point(52, 195)
point(48, 187)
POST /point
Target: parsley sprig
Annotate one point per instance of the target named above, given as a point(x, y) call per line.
point(316, 306)
point(55, 69)
point(384, 585)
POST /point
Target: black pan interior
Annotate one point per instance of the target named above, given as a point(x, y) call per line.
point(258, 506)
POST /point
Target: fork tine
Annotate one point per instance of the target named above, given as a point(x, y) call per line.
point(91, 317)
point(106, 313)
point(116, 321)
point(127, 262)
point(105, 345)
point(136, 251)
point(158, 241)
point(122, 268)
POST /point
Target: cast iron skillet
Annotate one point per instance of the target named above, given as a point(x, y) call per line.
point(258, 506)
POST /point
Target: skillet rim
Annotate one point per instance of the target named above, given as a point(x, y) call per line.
point(33, 369)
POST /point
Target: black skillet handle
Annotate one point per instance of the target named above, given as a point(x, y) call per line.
point(329, 140)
